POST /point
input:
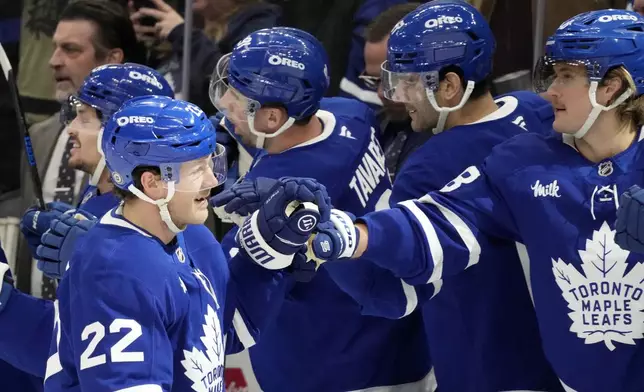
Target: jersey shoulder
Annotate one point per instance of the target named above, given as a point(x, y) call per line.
point(530, 150)
point(536, 113)
point(115, 248)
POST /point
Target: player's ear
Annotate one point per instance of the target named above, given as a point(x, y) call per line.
point(609, 90)
point(451, 87)
point(275, 117)
point(152, 185)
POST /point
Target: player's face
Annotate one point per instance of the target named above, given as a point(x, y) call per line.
point(422, 114)
point(83, 134)
point(375, 53)
point(189, 205)
point(74, 56)
point(568, 94)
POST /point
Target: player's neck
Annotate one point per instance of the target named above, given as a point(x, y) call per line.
point(472, 111)
point(606, 138)
point(146, 216)
point(295, 135)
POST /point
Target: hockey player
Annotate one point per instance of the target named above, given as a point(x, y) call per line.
point(146, 305)
point(459, 321)
point(270, 89)
point(26, 322)
point(558, 195)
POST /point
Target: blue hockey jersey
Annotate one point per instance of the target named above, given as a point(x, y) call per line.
point(137, 312)
point(473, 344)
point(587, 291)
point(27, 322)
point(320, 341)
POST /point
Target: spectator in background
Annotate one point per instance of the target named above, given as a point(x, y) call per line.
point(638, 6)
point(397, 138)
point(226, 22)
point(351, 85)
point(89, 33)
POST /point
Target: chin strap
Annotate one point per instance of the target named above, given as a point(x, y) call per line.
point(259, 142)
point(100, 166)
point(597, 108)
point(161, 203)
point(444, 112)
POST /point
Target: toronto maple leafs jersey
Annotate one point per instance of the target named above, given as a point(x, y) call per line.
point(461, 324)
point(134, 312)
point(587, 291)
point(320, 341)
point(26, 322)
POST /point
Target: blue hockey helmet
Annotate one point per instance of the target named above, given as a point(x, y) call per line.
point(162, 132)
point(434, 36)
point(599, 41)
point(109, 86)
point(276, 66)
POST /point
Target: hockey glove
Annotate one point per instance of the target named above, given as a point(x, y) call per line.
point(245, 197)
point(35, 222)
point(336, 239)
point(60, 241)
point(282, 225)
point(7, 281)
point(629, 227)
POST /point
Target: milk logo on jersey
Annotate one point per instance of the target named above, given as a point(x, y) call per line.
point(442, 20)
point(279, 60)
point(370, 171)
point(146, 78)
point(121, 121)
point(605, 301)
point(547, 190)
point(206, 370)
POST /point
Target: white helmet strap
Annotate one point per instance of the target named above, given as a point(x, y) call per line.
point(444, 112)
point(161, 203)
point(597, 108)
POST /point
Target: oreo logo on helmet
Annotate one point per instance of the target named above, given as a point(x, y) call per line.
point(441, 20)
point(616, 17)
point(146, 78)
point(121, 121)
point(278, 60)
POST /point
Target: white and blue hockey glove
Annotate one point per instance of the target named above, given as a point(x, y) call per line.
point(7, 280)
point(336, 238)
point(629, 227)
point(59, 242)
point(35, 222)
point(289, 210)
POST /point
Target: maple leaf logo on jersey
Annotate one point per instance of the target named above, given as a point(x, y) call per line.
point(206, 370)
point(606, 302)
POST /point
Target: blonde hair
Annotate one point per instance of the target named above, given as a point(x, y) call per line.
point(630, 111)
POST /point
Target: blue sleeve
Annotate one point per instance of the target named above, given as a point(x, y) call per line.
point(26, 326)
point(253, 300)
point(442, 233)
point(376, 290)
point(117, 341)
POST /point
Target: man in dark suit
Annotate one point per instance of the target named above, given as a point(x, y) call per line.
point(89, 33)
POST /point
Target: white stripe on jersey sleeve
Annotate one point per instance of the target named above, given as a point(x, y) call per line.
point(243, 334)
point(142, 388)
point(433, 242)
